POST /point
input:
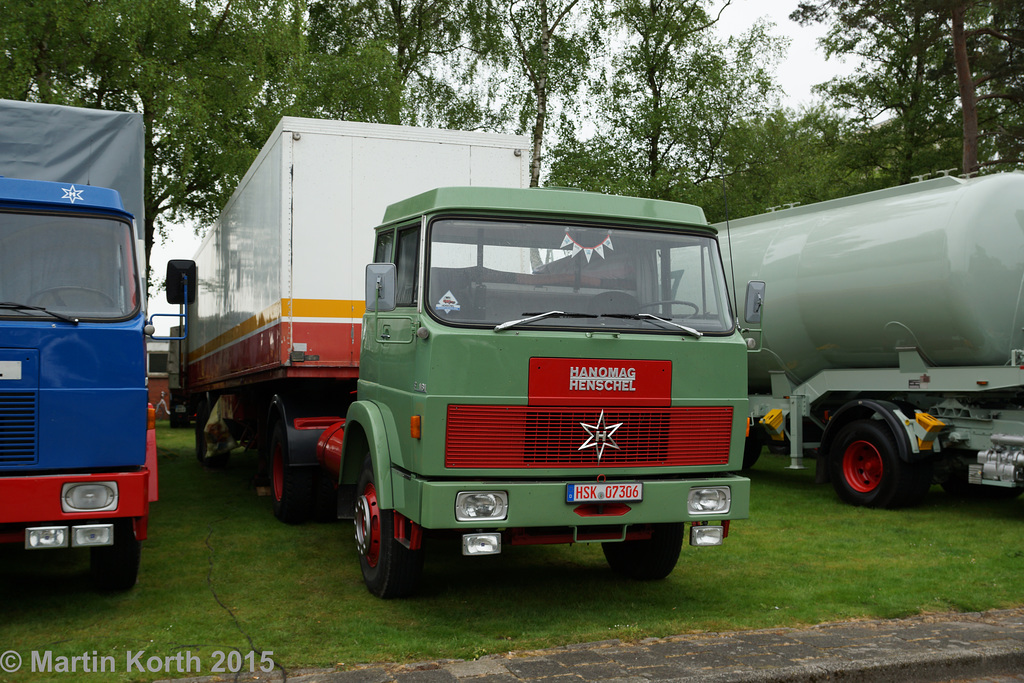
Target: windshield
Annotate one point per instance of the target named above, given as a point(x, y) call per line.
point(495, 272)
point(80, 266)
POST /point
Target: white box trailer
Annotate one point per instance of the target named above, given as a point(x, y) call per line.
point(276, 327)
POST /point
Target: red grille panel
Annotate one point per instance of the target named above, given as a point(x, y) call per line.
point(538, 437)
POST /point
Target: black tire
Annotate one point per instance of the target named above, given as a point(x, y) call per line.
point(866, 469)
point(178, 420)
point(649, 559)
point(116, 567)
point(390, 570)
point(752, 449)
point(291, 487)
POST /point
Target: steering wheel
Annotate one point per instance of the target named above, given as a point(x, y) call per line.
point(670, 302)
point(55, 296)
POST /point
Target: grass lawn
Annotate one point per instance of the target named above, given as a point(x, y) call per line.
point(219, 573)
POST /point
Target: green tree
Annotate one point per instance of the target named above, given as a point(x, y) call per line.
point(899, 97)
point(548, 44)
point(941, 83)
point(784, 158)
point(209, 78)
point(988, 43)
point(668, 102)
point(424, 53)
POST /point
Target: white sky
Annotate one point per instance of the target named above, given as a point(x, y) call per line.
point(804, 67)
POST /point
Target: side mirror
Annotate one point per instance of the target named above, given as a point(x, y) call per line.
point(380, 287)
point(181, 282)
point(755, 301)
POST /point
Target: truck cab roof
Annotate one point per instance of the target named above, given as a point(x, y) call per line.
point(548, 201)
point(58, 195)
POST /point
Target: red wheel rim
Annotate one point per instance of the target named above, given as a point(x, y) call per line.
point(368, 525)
point(277, 474)
point(862, 466)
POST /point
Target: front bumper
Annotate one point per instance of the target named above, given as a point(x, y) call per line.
point(36, 501)
point(542, 503)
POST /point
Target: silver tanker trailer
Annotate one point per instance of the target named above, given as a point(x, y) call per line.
point(887, 337)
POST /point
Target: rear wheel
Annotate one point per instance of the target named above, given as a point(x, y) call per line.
point(866, 469)
point(390, 570)
point(116, 567)
point(291, 486)
point(647, 559)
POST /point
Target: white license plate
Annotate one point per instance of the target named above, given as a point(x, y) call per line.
point(625, 492)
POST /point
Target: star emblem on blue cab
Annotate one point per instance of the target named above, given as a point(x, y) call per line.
point(72, 194)
point(599, 436)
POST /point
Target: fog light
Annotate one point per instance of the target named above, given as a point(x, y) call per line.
point(714, 500)
point(706, 535)
point(92, 535)
point(43, 537)
point(481, 544)
point(89, 496)
point(472, 506)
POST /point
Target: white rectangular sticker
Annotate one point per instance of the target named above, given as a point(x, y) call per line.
point(10, 369)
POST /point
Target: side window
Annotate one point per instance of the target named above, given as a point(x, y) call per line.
point(382, 252)
point(407, 262)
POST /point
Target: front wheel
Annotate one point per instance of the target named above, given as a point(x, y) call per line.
point(390, 570)
point(866, 469)
point(647, 559)
point(116, 567)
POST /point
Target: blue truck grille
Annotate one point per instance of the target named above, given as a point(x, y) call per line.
point(18, 428)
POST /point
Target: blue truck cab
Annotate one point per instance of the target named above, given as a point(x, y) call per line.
point(77, 445)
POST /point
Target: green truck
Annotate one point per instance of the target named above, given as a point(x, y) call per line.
point(542, 366)
point(514, 366)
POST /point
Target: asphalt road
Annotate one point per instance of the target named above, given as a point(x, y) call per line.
point(985, 647)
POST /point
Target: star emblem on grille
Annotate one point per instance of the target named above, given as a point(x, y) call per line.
point(599, 436)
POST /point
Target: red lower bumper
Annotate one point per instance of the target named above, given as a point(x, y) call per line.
point(31, 501)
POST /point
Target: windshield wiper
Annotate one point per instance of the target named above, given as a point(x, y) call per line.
point(541, 316)
point(13, 306)
point(649, 316)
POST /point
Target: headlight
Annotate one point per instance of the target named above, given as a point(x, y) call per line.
point(481, 544)
point(475, 506)
point(89, 535)
point(89, 496)
point(41, 537)
point(713, 500)
point(706, 535)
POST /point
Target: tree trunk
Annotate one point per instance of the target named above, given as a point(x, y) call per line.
point(965, 81)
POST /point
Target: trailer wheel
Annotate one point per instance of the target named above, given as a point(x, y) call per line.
point(116, 567)
point(866, 469)
point(390, 570)
point(292, 487)
point(648, 559)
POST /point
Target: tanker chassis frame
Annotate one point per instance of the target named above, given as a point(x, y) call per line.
point(883, 436)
